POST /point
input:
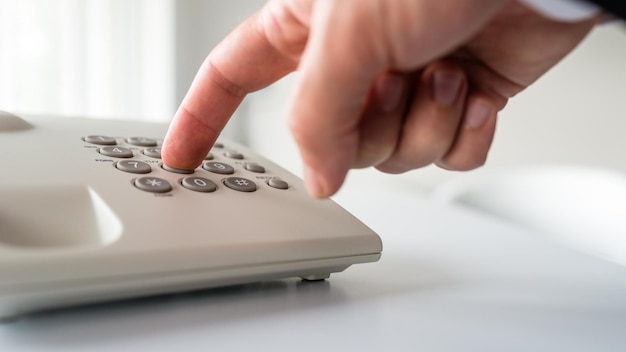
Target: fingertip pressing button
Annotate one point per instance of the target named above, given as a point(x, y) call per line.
point(176, 171)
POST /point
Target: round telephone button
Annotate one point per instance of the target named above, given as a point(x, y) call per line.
point(240, 184)
point(176, 171)
point(142, 141)
point(218, 168)
point(153, 184)
point(153, 152)
point(199, 184)
point(100, 140)
point(279, 184)
point(255, 168)
point(233, 155)
point(133, 166)
point(117, 152)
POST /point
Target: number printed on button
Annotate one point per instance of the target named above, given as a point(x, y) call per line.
point(117, 152)
point(133, 166)
point(199, 184)
point(218, 168)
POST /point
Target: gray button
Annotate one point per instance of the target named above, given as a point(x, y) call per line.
point(176, 171)
point(240, 184)
point(218, 168)
point(134, 166)
point(218, 145)
point(233, 155)
point(153, 184)
point(100, 140)
point(153, 152)
point(255, 168)
point(117, 152)
point(142, 141)
point(199, 184)
point(209, 156)
point(276, 183)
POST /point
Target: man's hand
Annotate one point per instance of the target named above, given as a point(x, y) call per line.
point(392, 84)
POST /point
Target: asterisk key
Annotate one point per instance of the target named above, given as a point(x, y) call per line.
point(153, 183)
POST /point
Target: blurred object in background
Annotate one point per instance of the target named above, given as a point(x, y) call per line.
point(95, 58)
point(107, 58)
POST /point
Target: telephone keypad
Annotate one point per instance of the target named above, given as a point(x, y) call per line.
point(126, 149)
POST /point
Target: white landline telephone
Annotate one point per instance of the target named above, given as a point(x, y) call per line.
point(89, 214)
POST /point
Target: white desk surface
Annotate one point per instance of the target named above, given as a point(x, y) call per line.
point(449, 280)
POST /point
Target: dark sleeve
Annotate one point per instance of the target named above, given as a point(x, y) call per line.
point(615, 7)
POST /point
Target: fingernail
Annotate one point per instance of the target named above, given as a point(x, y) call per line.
point(447, 86)
point(478, 112)
point(389, 89)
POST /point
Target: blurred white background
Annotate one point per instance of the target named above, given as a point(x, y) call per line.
point(107, 58)
point(87, 58)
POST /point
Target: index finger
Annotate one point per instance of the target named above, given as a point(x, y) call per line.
point(245, 61)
